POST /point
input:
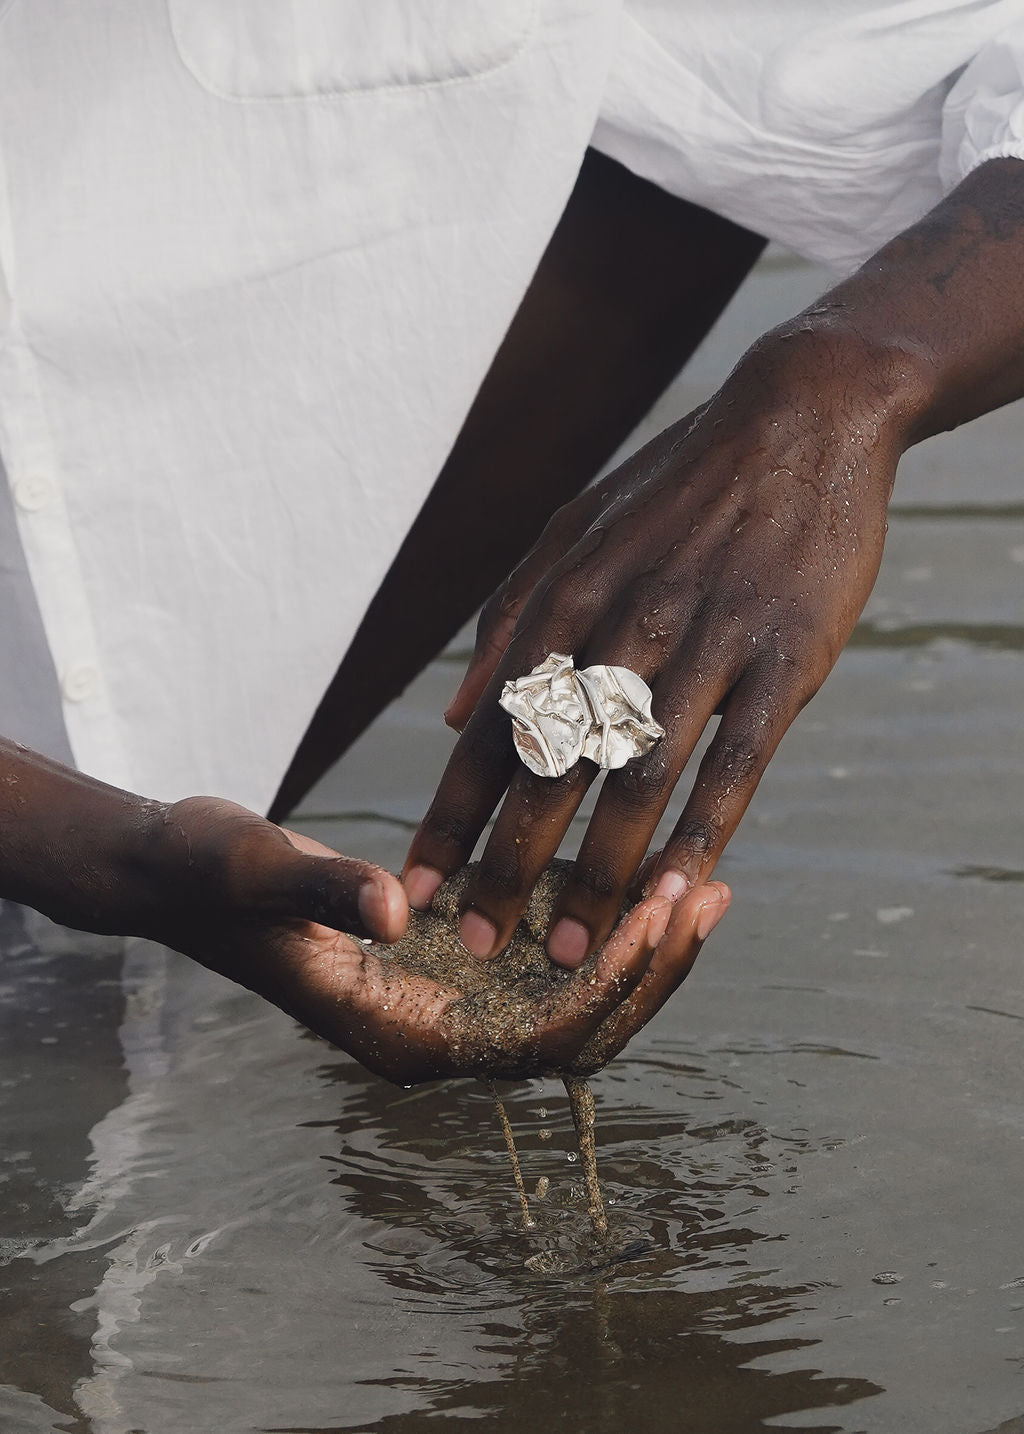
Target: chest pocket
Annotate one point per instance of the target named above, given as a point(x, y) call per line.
point(309, 49)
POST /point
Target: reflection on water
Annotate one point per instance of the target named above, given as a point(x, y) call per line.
point(267, 1237)
point(685, 1267)
point(813, 1160)
point(60, 1008)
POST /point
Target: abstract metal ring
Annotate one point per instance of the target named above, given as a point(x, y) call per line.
point(560, 714)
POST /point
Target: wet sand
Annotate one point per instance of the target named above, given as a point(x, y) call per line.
point(491, 1030)
point(503, 1002)
point(213, 1221)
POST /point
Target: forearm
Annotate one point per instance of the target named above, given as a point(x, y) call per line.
point(941, 307)
point(74, 848)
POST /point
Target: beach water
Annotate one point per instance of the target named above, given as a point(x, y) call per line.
point(812, 1160)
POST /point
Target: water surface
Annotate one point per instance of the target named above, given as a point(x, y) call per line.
point(813, 1158)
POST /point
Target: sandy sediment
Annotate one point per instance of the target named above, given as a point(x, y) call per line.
point(493, 1028)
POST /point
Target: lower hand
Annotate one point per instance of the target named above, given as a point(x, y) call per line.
point(263, 906)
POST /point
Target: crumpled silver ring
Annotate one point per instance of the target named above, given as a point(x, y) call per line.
point(560, 714)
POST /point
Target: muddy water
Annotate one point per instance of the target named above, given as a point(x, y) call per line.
point(811, 1162)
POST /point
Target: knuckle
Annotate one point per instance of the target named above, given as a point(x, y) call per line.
point(794, 681)
point(783, 685)
point(448, 825)
point(641, 783)
point(569, 598)
point(735, 760)
point(502, 607)
point(508, 600)
point(596, 880)
point(500, 876)
point(697, 835)
point(477, 770)
point(803, 644)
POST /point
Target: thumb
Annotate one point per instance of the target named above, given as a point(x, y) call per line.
point(343, 892)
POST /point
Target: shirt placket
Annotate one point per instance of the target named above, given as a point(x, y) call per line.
point(46, 532)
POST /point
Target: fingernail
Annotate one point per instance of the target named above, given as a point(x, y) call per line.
point(671, 885)
point(568, 942)
point(369, 904)
point(477, 934)
point(420, 885)
point(711, 914)
point(657, 923)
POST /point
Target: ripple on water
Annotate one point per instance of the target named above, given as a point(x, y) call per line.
point(682, 1189)
point(681, 1293)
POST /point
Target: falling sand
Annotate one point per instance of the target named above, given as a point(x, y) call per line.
point(581, 1102)
point(513, 1155)
point(491, 1028)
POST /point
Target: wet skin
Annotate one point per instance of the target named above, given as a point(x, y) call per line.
point(629, 285)
point(269, 908)
point(609, 319)
point(727, 563)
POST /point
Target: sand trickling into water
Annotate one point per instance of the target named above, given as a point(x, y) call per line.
point(581, 1102)
point(513, 1155)
point(492, 1027)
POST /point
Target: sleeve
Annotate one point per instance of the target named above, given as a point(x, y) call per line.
point(983, 117)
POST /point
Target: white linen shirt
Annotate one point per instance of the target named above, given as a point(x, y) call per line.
point(256, 256)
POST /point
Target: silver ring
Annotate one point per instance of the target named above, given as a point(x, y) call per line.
point(560, 714)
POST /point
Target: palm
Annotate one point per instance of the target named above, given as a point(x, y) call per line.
point(252, 905)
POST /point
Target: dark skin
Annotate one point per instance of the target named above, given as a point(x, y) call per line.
point(609, 319)
point(629, 285)
point(727, 563)
point(776, 490)
point(269, 908)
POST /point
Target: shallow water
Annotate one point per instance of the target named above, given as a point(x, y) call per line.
point(813, 1160)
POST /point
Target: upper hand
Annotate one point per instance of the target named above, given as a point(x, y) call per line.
point(726, 563)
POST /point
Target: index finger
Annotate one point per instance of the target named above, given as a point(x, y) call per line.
point(484, 761)
point(587, 1000)
point(556, 1032)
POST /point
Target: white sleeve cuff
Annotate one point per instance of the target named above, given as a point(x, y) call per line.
point(983, 117)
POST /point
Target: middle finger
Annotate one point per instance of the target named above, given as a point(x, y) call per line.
point(538, 810)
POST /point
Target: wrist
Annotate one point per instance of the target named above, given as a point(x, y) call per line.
point(106, 873)
point(881, 382)
point(73, 848)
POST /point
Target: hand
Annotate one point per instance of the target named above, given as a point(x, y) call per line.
point(410, 1028)
point(726, 563)
point(262, 905)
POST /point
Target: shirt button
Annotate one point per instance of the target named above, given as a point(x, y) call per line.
point(33, 492)
point(80, 683)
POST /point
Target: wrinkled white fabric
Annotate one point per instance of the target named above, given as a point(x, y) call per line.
point(256, 256)
point(821, 124)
